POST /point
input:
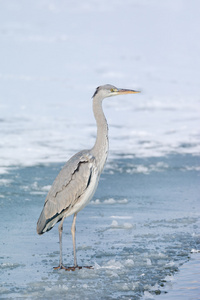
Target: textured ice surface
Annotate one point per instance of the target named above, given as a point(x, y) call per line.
point(136, 246)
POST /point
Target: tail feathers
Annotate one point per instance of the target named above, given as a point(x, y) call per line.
point(41, 224)
point(44, 224)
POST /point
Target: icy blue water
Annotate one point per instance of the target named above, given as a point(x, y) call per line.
point(139, 229)
point(143, 223)
point(186, 284)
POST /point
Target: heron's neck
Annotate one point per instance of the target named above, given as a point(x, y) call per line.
point(100, 149)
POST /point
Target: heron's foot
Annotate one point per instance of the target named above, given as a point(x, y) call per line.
point(78, 268)
point(61, 267)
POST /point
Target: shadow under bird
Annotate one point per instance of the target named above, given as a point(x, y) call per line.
point(77, 182)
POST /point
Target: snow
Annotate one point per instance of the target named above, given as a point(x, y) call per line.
point(54, 64)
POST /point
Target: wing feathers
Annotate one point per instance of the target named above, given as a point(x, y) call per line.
point(68, 187)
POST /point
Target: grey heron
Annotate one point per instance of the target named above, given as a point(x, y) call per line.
point(76, 183)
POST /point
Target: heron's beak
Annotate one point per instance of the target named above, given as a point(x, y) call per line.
point(125, 91)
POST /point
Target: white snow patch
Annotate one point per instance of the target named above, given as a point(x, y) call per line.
point(127, 226)
point(113, 264)
point(170, 264)
point(37, 193)
point(195, 251)
point(57, 288)
point(109, 201)
point(3, 170)
point(10, 265)
point(129, 263)
point(95, 202)
point(115, 224)
point(136, 169)
point(5, 182)
point(121, 217)
point(46, 188)
point(149, 262)
point(192, 168)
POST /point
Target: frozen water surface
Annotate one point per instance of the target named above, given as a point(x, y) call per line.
point(141, 230)
point(137, 240)
point(186, 284)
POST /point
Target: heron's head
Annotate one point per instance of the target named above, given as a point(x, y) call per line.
point(109, 90)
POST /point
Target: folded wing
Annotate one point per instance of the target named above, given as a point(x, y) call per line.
point(66, 191)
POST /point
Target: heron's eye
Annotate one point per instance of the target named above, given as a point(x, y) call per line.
point(113, 90)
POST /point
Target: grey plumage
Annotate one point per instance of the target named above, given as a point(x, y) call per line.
point(76, 183)
point(66, 191)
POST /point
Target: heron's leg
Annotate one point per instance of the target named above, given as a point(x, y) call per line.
point(73, 230)
point(60, 230)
